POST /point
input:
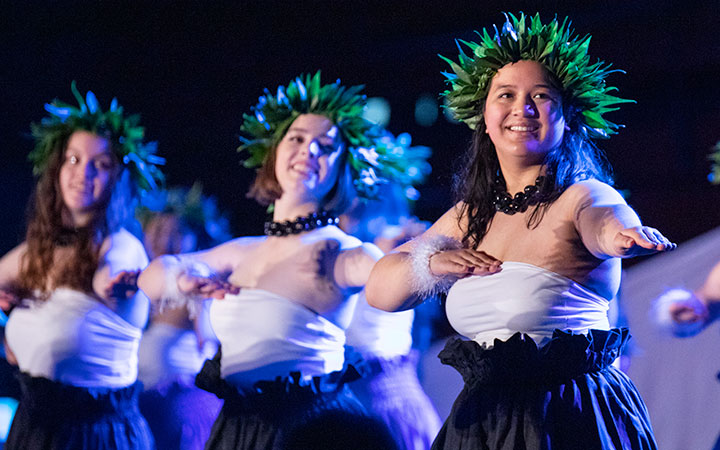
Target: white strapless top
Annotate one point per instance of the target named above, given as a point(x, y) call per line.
point(169, 353)
point(376, 333)
point(525, 298)
point(264, 335)
point(74, 339)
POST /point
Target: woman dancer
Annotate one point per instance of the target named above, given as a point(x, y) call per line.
point(390, 387)
point(288, 295)
point(175, 345)
point(531, 273)
point(75, 334)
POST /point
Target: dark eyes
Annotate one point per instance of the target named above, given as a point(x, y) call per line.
point(537, 96)
point(323, 146)
point(103, 164)
point(99, 164)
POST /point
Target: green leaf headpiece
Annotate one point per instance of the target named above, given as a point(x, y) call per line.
point(585, 96)
point(714, 176)
point(373, 156)
point(197, 210)
point(124, 131)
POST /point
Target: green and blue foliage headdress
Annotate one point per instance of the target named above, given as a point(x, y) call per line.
point(585, 95)
point(198, 211)
point(373, 155)
point(124, 131)
point(714, 175)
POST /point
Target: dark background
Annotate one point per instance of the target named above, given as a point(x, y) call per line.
point(192, 68)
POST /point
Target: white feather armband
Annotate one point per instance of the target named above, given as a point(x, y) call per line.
point(663, 318)
point(424, 282)
point(172, 297)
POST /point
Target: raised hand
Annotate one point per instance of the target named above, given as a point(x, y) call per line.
point(8, 300)
point(680, 312)
point(205, 287)
point(463, 262)
point(688, 311)
point(638, 241)
point(122, 286)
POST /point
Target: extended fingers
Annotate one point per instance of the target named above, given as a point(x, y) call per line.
point(662, 242)
point(479, 260)
point(642, 240)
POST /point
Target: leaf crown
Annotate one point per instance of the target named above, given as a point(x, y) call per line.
point(714, 175)
point(122, 130)
point(586, 97)
point(196, 209)
point(374, 155)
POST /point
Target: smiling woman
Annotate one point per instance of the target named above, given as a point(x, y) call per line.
point(531, 251)
point(309, 157)
point(86, 174)
point(284, 300)
point(523, 113)
point(77, 315)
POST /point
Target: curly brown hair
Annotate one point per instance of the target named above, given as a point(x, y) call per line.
point(46, 231)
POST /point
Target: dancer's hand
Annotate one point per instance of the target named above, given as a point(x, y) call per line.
point(205, 287)
point(8, 300)
point(689, 311)
point(122, 286)
point(463, 262)
point(638, 241)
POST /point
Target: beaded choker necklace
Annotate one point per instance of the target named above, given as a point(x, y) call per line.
point(306, 223)
point(503, 202)
point(68, 236)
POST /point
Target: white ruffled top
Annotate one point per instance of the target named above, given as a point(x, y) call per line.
point(169, 353)
point(264, 335)
point(381, 334)
point(74, 339)
point(525, 298)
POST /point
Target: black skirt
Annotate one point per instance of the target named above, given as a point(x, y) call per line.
point(565, 396)
point(291, 413)
point(57, 416)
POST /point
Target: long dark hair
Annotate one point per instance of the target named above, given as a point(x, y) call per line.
point(575, 159)
point(46, 231)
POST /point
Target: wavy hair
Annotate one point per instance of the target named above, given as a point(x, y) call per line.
point(46, 230)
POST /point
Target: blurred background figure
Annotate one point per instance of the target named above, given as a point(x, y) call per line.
point(390, 387)
point(686, 313)
point(9, 387)
point(178, 341)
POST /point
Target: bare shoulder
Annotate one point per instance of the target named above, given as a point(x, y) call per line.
point(353, 265)
point(243, 243)
point(16, 252)
point(10, 264)
point(594, 192)
point(123, 251)
point(123, 238)
point(452, 223)
point(364, 252)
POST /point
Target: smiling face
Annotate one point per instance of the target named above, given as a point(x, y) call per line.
point(523, 112)
point(307, 157)
point(86, 174)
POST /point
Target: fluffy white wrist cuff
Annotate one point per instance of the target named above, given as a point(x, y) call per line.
point(424, 283)
point(172, 297)
point(661, 312)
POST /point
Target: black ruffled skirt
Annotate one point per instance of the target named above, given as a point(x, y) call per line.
point(565, 396)
point(390, 389)
point(290, 413)
point(57, 416)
